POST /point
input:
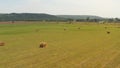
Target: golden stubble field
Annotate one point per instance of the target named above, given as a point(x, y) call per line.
point(68, 45)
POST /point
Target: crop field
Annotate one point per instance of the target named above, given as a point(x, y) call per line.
point(80, 45)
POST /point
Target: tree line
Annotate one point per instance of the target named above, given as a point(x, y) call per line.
point(50, 18)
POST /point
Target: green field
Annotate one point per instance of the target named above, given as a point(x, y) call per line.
point(87, 47)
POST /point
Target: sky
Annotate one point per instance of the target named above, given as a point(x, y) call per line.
point(104, 8)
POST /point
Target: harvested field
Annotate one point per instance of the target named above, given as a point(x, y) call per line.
point(87, 47)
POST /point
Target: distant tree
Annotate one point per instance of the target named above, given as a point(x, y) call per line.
point(80, 20)
point(117, 19)
point(88, 19)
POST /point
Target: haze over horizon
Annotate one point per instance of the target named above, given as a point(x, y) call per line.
point(103, 8)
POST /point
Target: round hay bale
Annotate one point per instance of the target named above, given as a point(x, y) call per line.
point(43, 45)
point(2, 43)
point(108, 32)
point(65, 29)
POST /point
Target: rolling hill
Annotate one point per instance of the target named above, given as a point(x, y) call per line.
point(42, 16)
point(27, 17)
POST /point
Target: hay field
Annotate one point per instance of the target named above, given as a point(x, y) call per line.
point(87, 47)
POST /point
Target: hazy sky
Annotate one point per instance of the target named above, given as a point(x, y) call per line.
point(104, 8)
